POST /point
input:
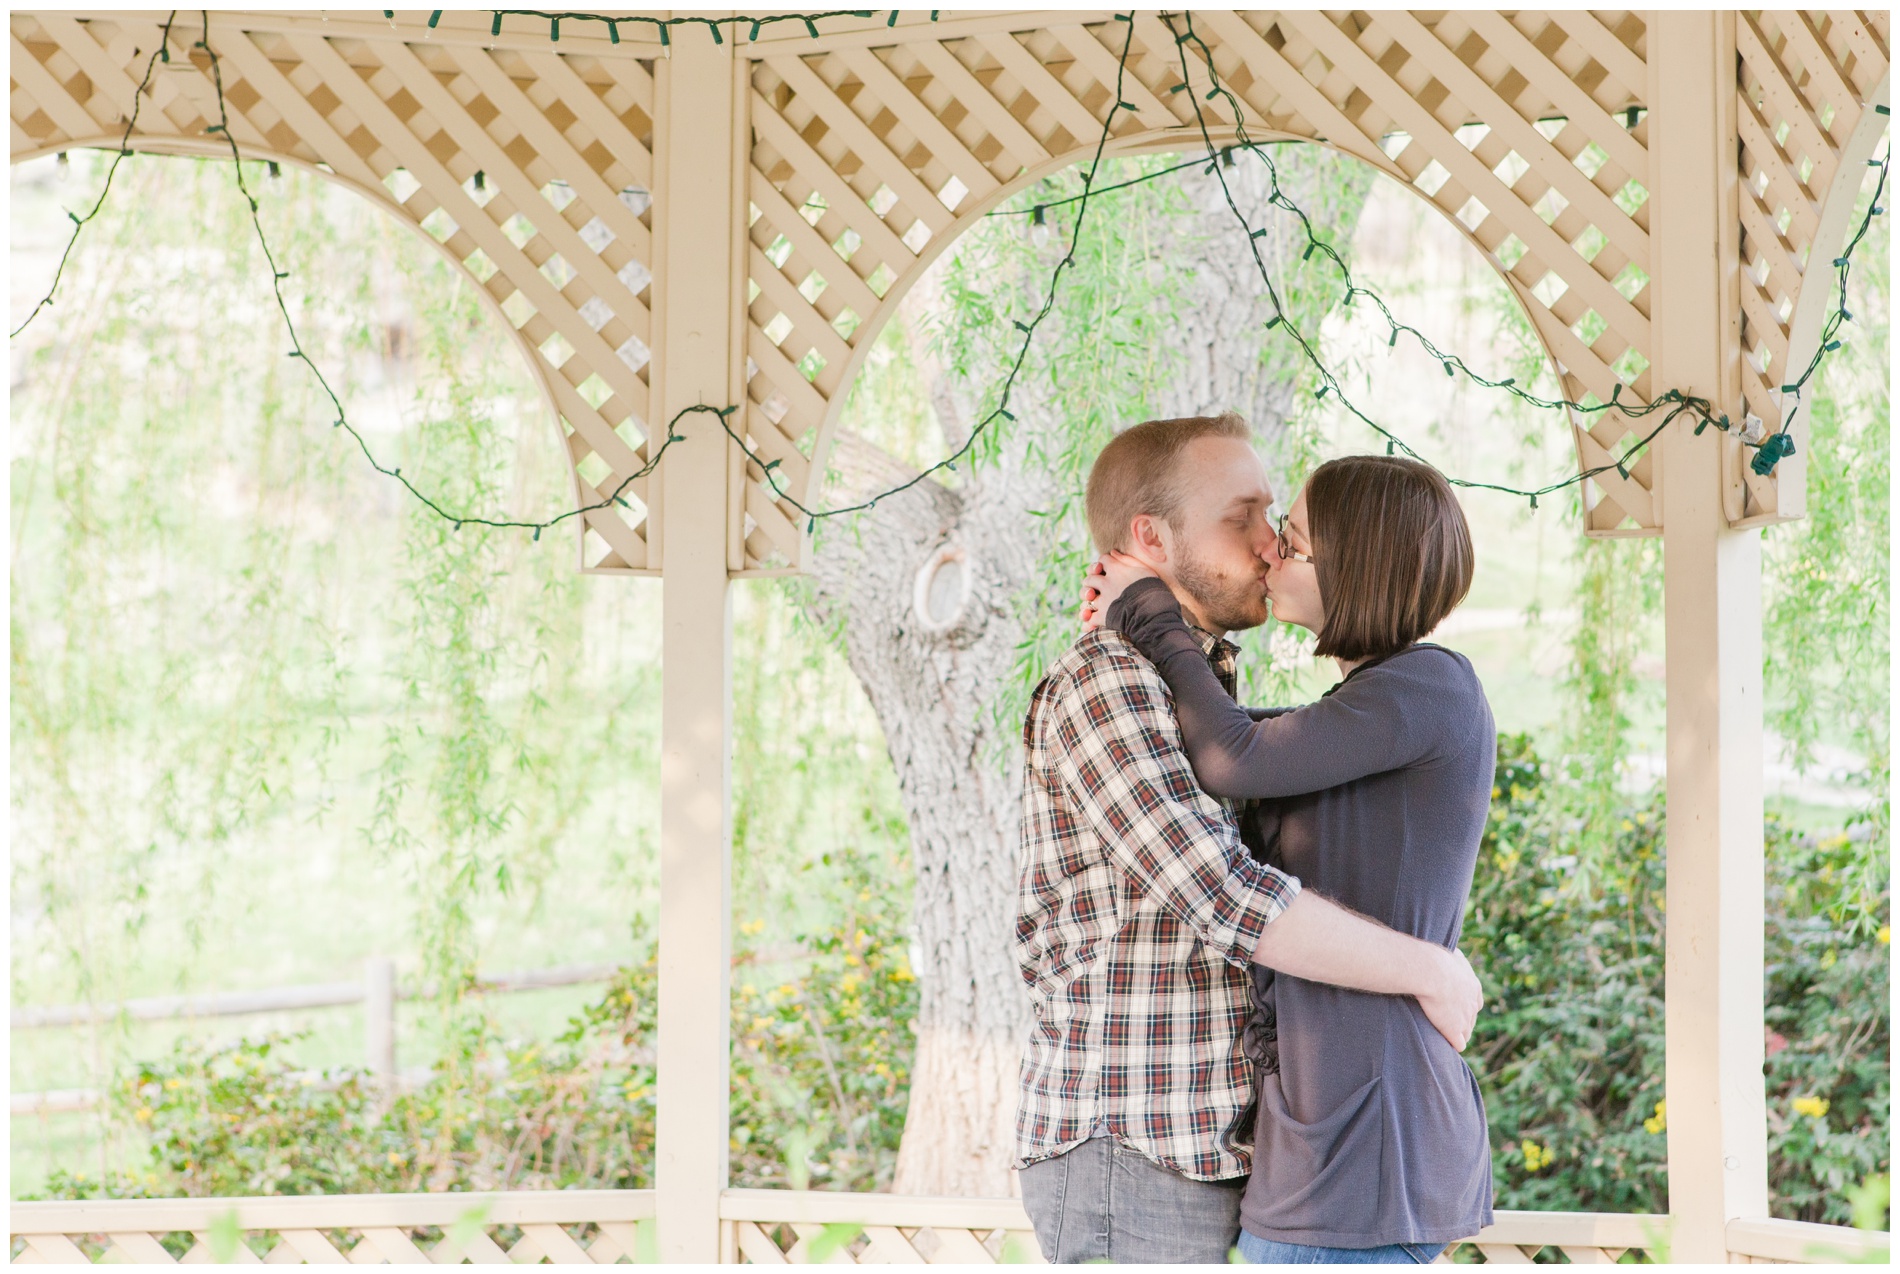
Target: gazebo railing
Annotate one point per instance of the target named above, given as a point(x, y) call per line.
point(759, 1227)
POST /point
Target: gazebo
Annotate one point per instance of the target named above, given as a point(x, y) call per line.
point(716, 214)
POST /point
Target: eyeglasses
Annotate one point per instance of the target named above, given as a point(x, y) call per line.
point(1287, 552)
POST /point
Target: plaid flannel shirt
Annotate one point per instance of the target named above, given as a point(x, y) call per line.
point(1137, 914)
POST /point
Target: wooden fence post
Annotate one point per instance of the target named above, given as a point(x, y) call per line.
point(1717, 1121)
point(379, 1021)
point(698, 211)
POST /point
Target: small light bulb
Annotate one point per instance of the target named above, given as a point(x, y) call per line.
point(64, 166)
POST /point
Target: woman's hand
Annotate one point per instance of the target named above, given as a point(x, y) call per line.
point(1107, 577)
point(1092, 607)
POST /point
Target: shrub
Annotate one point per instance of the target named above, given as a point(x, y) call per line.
point(1569, 1050)
point(821, 1078)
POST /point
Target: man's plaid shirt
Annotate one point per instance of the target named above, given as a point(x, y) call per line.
point(1137, 914)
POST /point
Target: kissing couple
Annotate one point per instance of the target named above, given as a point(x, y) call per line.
point(1239, 926)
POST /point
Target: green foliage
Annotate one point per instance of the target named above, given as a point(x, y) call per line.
point(1619, 594)
point(821, 1059)
point(821, 1080)
point(1569, 1050)
point(1828, 583)
point(1124, 298)
point(246, 669)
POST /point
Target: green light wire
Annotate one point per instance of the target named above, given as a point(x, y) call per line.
point(161, 53)
point(664, 26)
point(1673, 403)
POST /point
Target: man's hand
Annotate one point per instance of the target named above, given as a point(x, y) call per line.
point(1321, 941)
point(1453, 1010)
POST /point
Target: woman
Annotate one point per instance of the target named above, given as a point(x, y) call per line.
point(1371, 1144)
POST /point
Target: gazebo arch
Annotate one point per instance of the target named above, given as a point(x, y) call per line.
point(688, 221)
point(209, 148)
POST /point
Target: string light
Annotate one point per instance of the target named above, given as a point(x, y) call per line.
point(1672, 403)
point(1217, 161)
point(663, 27)
point(162, 53)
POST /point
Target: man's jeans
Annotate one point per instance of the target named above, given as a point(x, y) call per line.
point(1104, 1202)
point(1258, 1251)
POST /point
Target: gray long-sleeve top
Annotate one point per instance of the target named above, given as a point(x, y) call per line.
point(1370, 1127)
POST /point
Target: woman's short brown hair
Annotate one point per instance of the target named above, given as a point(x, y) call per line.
point(1136, 474)
point(1392, 549)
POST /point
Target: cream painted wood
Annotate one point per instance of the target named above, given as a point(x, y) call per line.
point(698, 227)
point(1713, 982)
point(759, 1227)
point(876, 146)
point(557, 238)
point(1799, 1243)
point(1808, 82)
point(863, 154)
point(1522, 169)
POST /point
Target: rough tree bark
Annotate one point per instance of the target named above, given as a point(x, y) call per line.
point(933, 690)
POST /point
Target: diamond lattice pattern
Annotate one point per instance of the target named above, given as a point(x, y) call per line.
point(1527, 129)
point(532, 168)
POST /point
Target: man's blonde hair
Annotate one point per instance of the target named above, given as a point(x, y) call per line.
point(1138, 472)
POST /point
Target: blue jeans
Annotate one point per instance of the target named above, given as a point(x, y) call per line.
point(1102, 1201)
point(1258, 1251)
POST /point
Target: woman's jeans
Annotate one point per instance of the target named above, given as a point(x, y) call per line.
point(1258, 1251)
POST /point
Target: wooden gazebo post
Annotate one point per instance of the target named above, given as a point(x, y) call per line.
point(864, 148)
point(1713, 981)
point(697, 278)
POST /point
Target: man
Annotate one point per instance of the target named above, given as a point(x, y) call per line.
point(1139, 909)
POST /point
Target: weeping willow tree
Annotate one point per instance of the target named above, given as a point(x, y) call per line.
point(1163, 314)
point(270, 715)
point(1829, 587)
point(1827, 592)
point(268, 712)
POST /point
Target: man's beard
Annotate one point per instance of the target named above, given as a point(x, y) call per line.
point(1229, 605)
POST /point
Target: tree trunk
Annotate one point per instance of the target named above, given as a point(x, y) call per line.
point(933, 688)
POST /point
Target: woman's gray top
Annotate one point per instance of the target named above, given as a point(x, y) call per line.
point(1370, 1128)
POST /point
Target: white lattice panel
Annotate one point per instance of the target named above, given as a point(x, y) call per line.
point(529, 165)
point(874, 145)
point(869, 157)
point(1808, 83)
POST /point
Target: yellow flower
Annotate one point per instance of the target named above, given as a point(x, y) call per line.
point(395, 1159)
point(1536, 1157)
point(143, 1114)
point(1884, 935)
point(174, 1082)
point(902, 973)
point(1814, 1107)
point(1659, 1121)
point(1628, 826)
